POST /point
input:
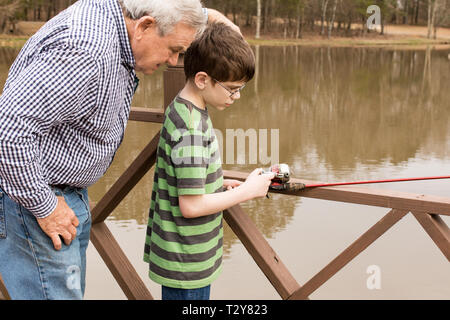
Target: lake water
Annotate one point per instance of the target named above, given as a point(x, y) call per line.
point(341, 114)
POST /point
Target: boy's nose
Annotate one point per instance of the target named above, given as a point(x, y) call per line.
point(236, 96)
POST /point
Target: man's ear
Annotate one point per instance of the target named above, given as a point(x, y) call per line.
point(201, 79)
point(143, 25)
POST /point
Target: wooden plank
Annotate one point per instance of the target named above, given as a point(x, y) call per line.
point(365, 196)
point(147, 115)
point(263, 254)
point(349, 254)
point(126, 182)
point(117, 262)
point(4, 295)
point(437, 229)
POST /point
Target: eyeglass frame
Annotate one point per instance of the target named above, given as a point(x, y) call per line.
point(232, 93)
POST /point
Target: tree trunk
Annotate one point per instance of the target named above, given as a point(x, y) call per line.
point(406, 9)
point(429, 20)
point(431, 16)
point(258, 19)
point(349, 25)
point(417, 12)
point(300, 12)
point(333, 16)
point(324, 14)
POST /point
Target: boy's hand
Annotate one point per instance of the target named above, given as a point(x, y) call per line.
point(256, 185)
point(229, 184)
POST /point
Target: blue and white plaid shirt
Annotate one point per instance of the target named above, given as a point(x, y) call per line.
point(65, 104)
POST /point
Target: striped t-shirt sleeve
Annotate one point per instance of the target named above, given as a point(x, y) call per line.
point(190, 156)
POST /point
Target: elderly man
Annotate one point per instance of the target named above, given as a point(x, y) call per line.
point(63, 113)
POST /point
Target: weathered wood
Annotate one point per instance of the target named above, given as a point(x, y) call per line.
point(147, 115)
point(437, 229)
point(126, 182)
point(4, 295)
point(367, 196)
point(263, 254)
point(117, 262)
point(349, 253)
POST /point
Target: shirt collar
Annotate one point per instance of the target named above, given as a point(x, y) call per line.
point(125, 47)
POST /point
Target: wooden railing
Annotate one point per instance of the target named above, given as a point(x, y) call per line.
point(426, 209)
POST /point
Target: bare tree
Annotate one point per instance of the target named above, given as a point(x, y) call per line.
point(432, 7)
point(8, 10)
point(442, 14)
point(324, 15)
point(333, 16)
point(258, 19)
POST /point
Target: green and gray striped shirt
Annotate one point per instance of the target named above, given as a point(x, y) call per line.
point(184, 253)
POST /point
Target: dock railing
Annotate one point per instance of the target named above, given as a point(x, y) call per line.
point(425, 208)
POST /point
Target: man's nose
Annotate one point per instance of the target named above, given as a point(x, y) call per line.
point(173, 59)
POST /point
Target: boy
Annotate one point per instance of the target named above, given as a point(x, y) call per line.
point(184, 236)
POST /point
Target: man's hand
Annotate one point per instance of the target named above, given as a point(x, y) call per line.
point(61, 222)
point(216, 16)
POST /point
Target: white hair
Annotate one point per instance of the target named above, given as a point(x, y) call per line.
point(167, 13)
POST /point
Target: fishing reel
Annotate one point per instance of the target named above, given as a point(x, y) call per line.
point(282, 176)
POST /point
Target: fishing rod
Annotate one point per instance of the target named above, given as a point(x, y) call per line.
point(282, 177)
point(372, 181)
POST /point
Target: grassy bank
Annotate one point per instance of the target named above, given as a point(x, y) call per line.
point(7, 41)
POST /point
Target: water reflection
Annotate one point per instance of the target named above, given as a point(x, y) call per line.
point(348, 106)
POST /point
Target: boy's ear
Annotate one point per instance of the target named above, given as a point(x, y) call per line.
point(201, 78)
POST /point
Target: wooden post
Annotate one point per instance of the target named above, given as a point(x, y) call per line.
point(174, 81)
point(260, 250)
point(437, 229)
point(118, 263)
point(4, 295)
point(126, 182)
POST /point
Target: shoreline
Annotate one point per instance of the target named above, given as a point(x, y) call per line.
point(407, 42)
point(312, 40)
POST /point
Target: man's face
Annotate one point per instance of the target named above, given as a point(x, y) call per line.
point(150, 50)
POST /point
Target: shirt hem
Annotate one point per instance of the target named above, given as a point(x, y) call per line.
point(185, 284)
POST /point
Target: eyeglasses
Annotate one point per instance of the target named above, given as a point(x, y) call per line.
point(232, 93)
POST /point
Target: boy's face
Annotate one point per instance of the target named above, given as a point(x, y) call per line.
point(222, 95)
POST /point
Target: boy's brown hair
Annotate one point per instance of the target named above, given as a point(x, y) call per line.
point(222, 53)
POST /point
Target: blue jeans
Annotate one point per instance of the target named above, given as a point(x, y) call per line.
point(185, 294)
point(30, 266)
